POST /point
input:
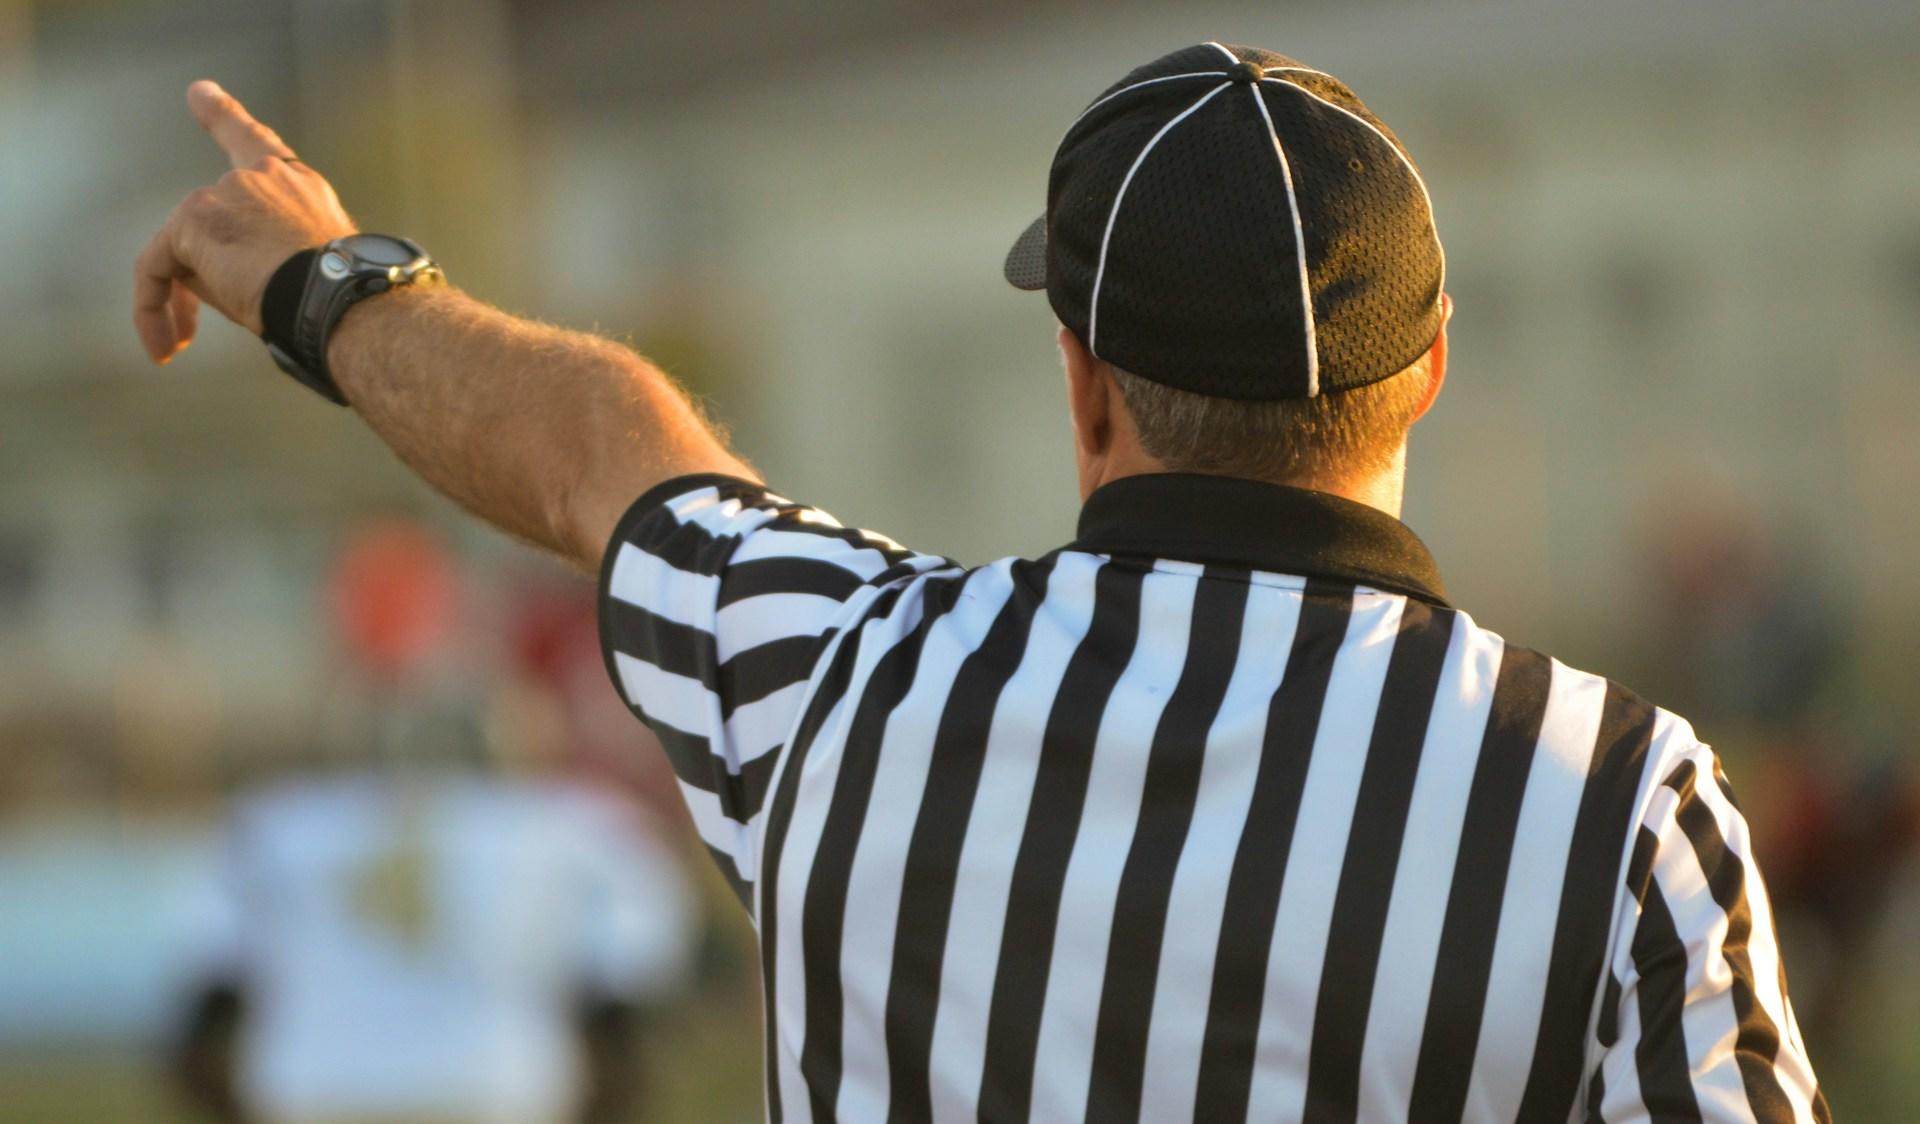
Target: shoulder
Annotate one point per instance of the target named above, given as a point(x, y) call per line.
point(942, 588)
point(692, 516)
point(1590, 726)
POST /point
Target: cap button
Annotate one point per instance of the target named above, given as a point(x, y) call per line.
point(1244, 72)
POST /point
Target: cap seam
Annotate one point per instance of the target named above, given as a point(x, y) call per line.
point(1418, 180)
point(1106, 238)
point(1137, 85)
point(1231, 57)
point(1299, 245)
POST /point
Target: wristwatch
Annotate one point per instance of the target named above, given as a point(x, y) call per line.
point(312, 289)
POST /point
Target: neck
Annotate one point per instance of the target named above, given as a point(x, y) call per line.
point(1384, 490)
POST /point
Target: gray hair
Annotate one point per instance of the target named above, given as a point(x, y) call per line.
point(1332, 437)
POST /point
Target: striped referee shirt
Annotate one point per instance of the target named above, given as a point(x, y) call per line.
point(1219, 813)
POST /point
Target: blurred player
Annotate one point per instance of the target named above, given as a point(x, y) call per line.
point(418, 936)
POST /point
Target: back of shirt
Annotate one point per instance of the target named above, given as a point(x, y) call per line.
point(1111, 836)
point(420, 946)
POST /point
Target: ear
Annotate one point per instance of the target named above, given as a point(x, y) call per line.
point(1087, 398)
point(1436, 359)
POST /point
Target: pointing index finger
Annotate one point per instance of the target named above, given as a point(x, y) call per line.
point(245, 140)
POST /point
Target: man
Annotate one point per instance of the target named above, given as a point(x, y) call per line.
point(1220, 812)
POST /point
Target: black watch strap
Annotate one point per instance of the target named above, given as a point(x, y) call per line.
point(303, 302)
point(289, 330)
point(280, 304)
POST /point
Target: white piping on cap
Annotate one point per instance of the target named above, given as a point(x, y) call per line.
point(1232, 59)
point(1384, 139)
point(1100, 271)
point(1299, 245)
point(1144, 82)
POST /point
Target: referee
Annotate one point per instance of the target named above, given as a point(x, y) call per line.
point(1221, 811)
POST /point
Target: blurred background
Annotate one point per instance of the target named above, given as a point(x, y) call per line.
point(1677, 447)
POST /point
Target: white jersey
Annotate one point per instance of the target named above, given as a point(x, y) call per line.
point(419, 947)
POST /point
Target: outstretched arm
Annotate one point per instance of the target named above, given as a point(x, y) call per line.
point(545, 433)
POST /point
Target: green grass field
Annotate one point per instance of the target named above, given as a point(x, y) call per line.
point(704, 1066)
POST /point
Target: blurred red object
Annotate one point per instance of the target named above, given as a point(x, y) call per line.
point(392, 592)
point(555, 644)
point(556, 638)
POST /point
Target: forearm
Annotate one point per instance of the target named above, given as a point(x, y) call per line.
point(547, 434)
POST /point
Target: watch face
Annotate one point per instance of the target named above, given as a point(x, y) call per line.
point(379, 250)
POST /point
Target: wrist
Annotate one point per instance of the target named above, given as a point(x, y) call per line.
point(354, 347)
point(307, 296)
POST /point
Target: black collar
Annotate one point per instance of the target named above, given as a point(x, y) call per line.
point(1235, 522)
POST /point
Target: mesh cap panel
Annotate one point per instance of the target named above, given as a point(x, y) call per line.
point(1206, 311)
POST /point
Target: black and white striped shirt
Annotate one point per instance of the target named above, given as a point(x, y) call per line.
point(1219, 813)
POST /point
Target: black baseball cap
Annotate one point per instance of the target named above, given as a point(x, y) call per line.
point(1227, 221)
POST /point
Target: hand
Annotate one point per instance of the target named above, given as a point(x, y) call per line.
point(222, 243)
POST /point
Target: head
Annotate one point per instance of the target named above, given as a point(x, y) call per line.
point(1243, 261)
point(1352, 443)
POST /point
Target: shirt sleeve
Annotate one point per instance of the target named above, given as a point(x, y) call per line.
point(717, 598)
point(1694, 1022)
